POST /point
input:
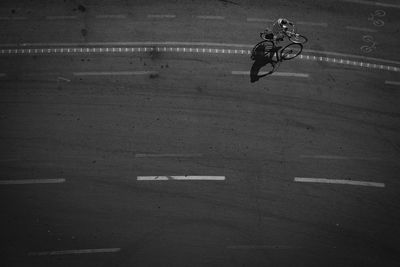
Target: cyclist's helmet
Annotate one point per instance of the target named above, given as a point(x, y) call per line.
point(284, 23)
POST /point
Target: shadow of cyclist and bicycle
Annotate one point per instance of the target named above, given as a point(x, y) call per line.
point(267, 55)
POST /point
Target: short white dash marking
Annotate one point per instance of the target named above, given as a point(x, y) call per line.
point(166, 178)
point(32, 181)
point(360, 29)
point(70, 252)
point(337, 181)
point(63, 79)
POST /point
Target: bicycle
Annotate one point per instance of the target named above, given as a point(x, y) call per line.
point(267, 49)
point(291, 34)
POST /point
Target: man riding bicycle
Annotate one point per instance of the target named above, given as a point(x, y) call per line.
point(279, 30)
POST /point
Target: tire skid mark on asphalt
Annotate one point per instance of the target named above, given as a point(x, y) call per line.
point(76, 251)
point(88, 50)
point(338, 181)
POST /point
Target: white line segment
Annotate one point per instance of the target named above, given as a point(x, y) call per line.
point(118, 16)
point(32, 181)
point(96, 73)
point(337, 181)
point(61, 17)
point(371, 3)
point(392, 82)
point(167, 155)
point(309, 23)
point(334, 157)
point(78, 251)
point(259, 20)
point(166, 178)
point(210, 17)
point(360, 29)
point(161, 16)
point(259, 247)
point(285, 74)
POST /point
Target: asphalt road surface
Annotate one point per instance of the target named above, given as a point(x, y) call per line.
point(130, 135)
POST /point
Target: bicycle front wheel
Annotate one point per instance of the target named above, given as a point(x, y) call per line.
point(298, 39)
point(291, 51)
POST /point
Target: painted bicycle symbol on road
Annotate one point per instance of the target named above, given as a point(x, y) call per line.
point(368, 48)
point(379, 14)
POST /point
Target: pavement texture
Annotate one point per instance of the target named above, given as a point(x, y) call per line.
point(190, 116)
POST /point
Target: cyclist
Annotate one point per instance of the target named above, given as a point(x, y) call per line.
point(279, 29)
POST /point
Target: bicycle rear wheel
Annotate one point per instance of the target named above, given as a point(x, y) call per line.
point(261, 48)
point(291, 51)
point(298, 39)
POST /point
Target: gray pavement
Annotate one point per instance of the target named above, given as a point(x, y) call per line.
point(189, 115)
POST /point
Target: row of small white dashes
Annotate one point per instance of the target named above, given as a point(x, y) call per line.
point(74, 50)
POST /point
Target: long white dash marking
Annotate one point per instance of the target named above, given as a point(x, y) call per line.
point(61, 17)
point(371, 3)
point(77, 251)
point(170, 155)
point(360, 29)
point(32, 181)
point(117, 16)
point(210, 17)
point(161, 16)
point(309, 23)
point(392, 82)
point(337, 181)
point(96, 73)
point(166, 178)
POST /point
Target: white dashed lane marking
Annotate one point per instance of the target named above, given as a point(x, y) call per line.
point(210, 17)
point(172, 48)
point(393, 83)
point(360, 29)
point(337, 181)
point(32, 181)
point(71, 252)
point(180, 178)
